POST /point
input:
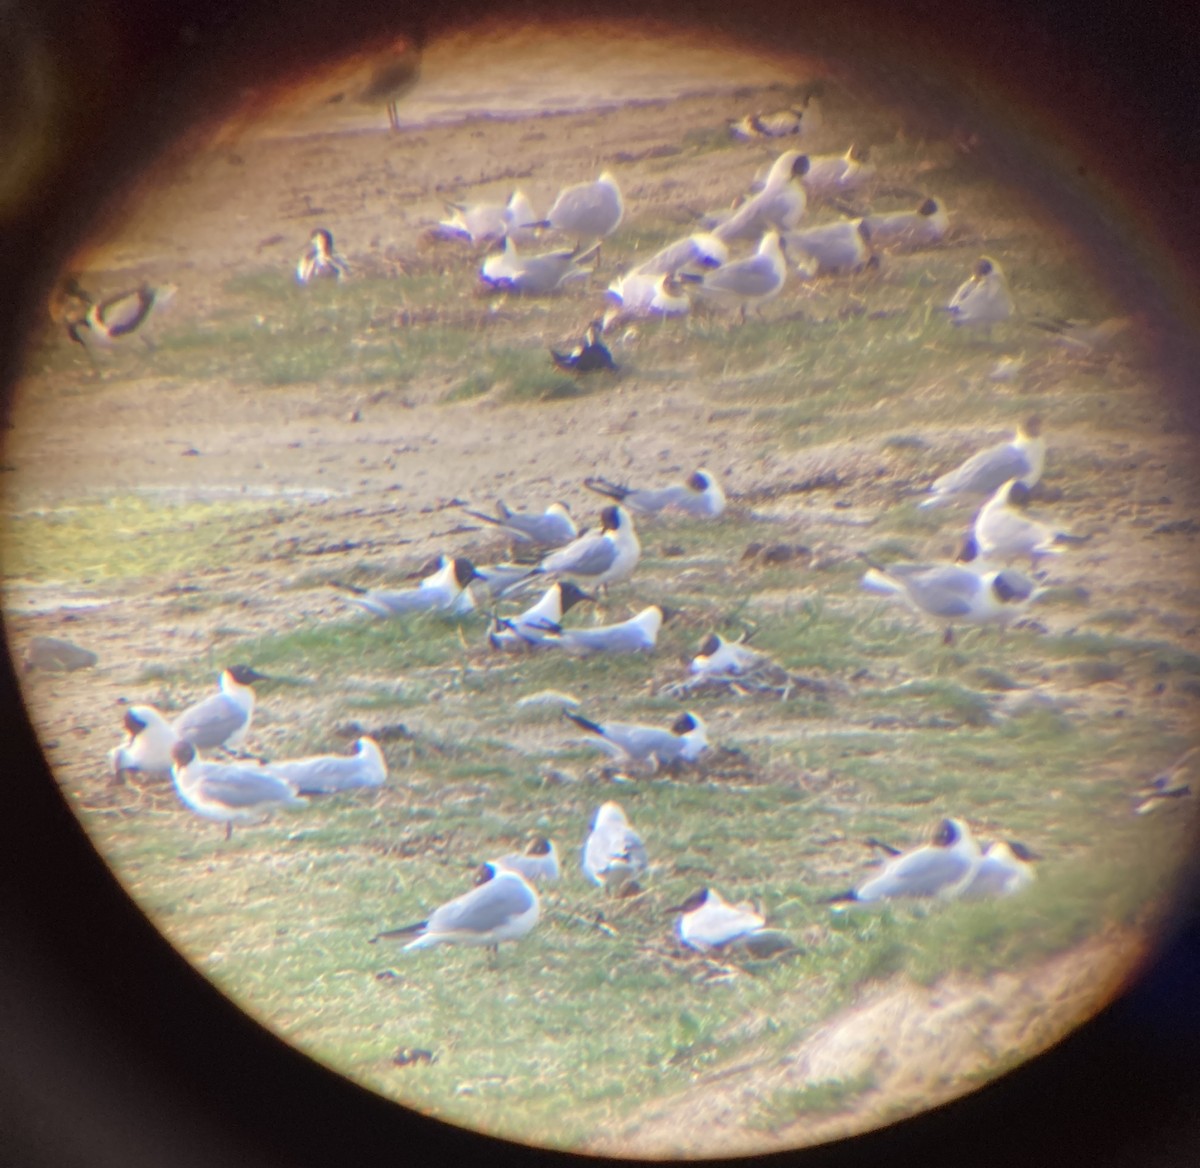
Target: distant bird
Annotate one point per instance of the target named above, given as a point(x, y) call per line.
point(833, 174)
point(940, 868)
point(954, 593)
point(614, 857)
point(750, 281)
point(229, 794)
point(835, 247)
point(707, 923)
point(539, 861)
point(222, 720)
point(538, 275)
point(699, 495)
point(148, 744)
point(591, 355)
point(443, 591)
point(550, 528)
point(1021, 459)
point(638, 634)
point(598, 558)
point(636, 294)
point(780, 123)
point(118, 316)
point(907, 229)
point(1000, 532)
point(501, 907)
point(54, 655)
point(531, 627)
point(1083, 337)
point(376, 77)
point(326, 774)
point(779, 206)
point(983, 298)
point(489, 222)
point(718, 657)
point(1168, 784)
point(320, 261)
point(628, 742)
point(588, 212)
point(1006, 867)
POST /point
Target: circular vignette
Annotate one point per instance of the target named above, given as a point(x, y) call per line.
point(80, 928)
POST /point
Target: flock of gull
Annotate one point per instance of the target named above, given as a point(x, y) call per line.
point(737, 261)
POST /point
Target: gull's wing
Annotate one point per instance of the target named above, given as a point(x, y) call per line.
point(210, 723)
point(483, 908)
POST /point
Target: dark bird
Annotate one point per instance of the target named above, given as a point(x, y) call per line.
point(590, 356)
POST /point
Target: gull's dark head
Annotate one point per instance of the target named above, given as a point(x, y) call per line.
point(698, 899)
point(539, 846)
point(464, 572)
point(684, 724)
point(133, 724)
point(484, 874)
point(929, 207)
point(246, 674)
point(711, 644)
point(947, 834)
point(699, 480)
point(800, 166)
point(1012, 586)
point(610, 519)
point(183, 754)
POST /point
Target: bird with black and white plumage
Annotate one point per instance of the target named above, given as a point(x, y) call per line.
point(549, 528)
point(832, 247)
point(538, 862)
point(116, 317)
point(587, 212)
point(940, 868)
point(222, 720)
point(708, 923)
point(596, 558)
point(744, 283)
point(530, 629)
point(490, 222)
point(638, 634)
point(983, 298)
point(328, 774)
point(924, 227)
point(539, 275)
point(834, 174)
point(719, 659)
point(502, 906)
point(786, 122)
point(445, 591)
point(320, 260)
point(684, 741)
point(1001, 532)
point(229, 793)
point(1005, 868)
point(1022, 458)
point(699, 495)
point(614, 857)
point(149, 740)
point(779, 206)
point(591, 355)
point(951, 594)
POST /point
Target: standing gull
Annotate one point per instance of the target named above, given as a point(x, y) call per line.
point(740, 283)
point(588, 212)
point(598, 558)
point(222, 720)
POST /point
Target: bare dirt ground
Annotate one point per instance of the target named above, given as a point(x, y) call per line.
point(381, 468)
